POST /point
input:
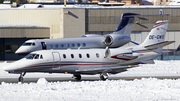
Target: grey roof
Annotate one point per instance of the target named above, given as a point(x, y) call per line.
point(19, 25)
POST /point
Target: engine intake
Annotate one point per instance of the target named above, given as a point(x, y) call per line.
point(108, 40)
point(116, 40)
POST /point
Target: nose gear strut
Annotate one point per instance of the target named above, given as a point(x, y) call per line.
point(21, 76)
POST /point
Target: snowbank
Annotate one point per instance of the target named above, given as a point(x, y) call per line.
point(111, 90)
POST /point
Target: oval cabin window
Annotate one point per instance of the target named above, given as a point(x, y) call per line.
point(88, 56)
point(84, 44)
point(80, 56)
point(72, 56)
point(64, 56)
point(97, 55)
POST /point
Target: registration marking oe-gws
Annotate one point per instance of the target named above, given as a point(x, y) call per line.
point(156, 37)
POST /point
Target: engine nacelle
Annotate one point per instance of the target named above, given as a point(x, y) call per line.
point(115, 40)
point(119, 54)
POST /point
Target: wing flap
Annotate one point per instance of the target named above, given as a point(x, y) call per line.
point(159, 45)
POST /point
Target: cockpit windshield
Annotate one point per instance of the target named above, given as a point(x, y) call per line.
point(29, 44)
point(30, 56)
point(34, 56)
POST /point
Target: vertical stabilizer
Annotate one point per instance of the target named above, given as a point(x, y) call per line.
point(125, 25)
point(157, 34)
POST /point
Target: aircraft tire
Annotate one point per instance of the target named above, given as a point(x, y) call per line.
point(103, 77)
point(77, 77)
point(20, 79)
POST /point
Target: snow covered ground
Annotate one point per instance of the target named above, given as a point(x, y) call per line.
point(146, 89)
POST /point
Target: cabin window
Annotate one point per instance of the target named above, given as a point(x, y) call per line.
point(72, 56)
point(78, 44)
point(88, 56)
point(97, 55)
point(41, 57)
point(67, 45)
point(51, 46)
point(37, 56)
point(56, 46)
point(62, 45)
point(33, 44)
point(84, 44)
point(73, 45)
point(80, 56)
point(30, 56)
point(64, 56)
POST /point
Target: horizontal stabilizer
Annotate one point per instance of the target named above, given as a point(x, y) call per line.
point(159, 45)
point(147, 62)
point(138, 15)
point(147, 15)
point(104, 69)
point(135, 43)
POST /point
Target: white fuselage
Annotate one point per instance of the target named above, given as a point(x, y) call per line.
point(71, 60)
point(72, 43)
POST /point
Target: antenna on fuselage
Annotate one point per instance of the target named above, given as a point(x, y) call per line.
point(79, 47)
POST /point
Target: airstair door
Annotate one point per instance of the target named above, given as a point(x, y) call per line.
point(56, 60)
point(43, 45)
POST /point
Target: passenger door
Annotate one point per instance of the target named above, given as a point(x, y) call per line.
point(43, 45)
point(56, 60)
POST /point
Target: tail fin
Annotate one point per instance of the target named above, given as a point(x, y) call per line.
point(126, 23)
point(157, 34)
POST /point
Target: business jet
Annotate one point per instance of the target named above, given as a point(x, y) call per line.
point(119, 37)
point(94, 61)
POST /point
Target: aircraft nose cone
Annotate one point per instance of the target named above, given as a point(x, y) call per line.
point(21, 50)
point(10, 67)
point(7, 68)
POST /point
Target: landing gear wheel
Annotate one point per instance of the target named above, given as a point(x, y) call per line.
point(103, 77)
point(77, 77)
point(20, 79)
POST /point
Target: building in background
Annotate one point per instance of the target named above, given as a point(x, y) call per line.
point(20, 24)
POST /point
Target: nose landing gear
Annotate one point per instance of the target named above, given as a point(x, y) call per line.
point(21, 76)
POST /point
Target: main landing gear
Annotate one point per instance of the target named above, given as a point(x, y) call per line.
point(103, 76)
point(77, 77)
point(21, 76)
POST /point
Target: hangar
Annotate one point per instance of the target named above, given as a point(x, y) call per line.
point(59, 22)
point(12, 35)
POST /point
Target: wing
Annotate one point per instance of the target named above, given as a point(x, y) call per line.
point(101, 69)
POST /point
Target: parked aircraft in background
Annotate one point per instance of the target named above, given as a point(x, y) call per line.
point(174, 2)
point(119, 37)
point(93, 61)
